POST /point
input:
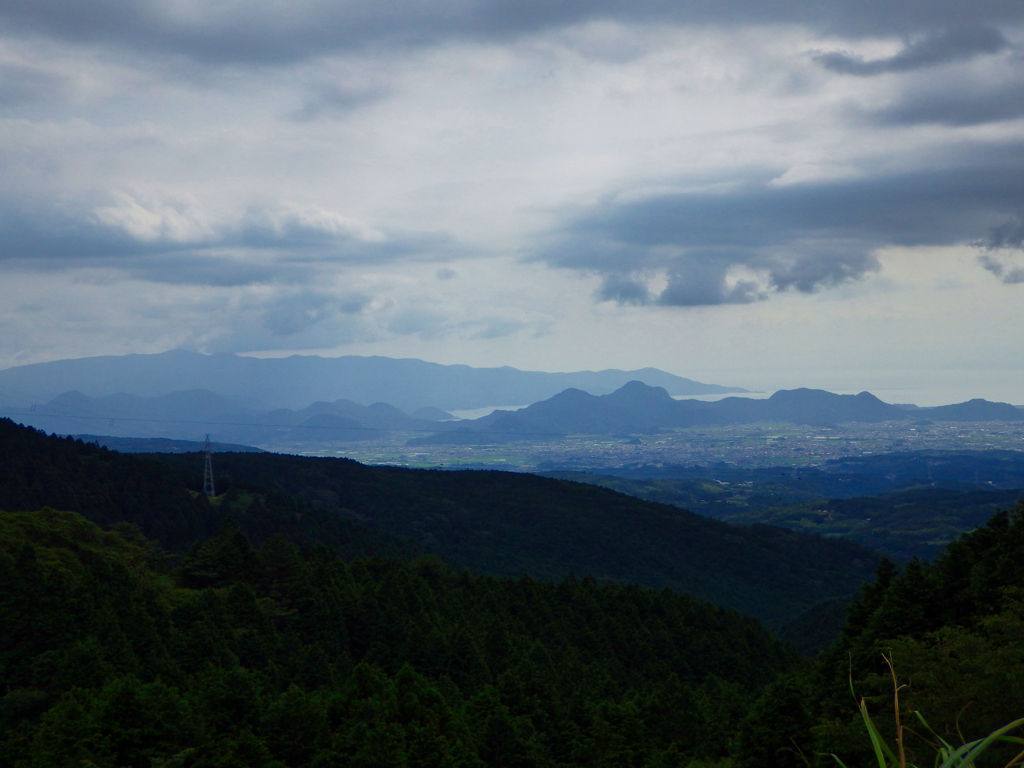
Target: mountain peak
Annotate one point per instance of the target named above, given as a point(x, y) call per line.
point(802, 394)
point(868, 397)
point(295, 382)
point(637, 390)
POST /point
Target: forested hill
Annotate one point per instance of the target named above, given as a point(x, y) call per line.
point(107, 488)
point(952, 630)
point(497, 523)
point(273, 659)
point(281, 656)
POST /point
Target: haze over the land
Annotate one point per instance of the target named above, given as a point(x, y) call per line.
point(766, 194)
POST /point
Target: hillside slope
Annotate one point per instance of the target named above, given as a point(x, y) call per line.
point(507, 524)
point(272, 658)
point(107, 488)
point(492, 522)
point(903, 505)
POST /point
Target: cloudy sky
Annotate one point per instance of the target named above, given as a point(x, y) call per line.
point(765, 193)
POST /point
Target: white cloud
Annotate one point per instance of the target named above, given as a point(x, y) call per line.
point(291, 220)
point(323, 190)
point(806, 173)
point(153, 220)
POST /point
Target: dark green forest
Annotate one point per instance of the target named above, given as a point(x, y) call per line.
point(498, 523)
point(955, 631)
point(274, 657)
point(309, 639)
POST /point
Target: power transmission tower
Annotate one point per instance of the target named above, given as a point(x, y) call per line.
point(208, 488)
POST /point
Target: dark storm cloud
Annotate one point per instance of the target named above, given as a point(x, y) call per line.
point(702, 280)
point(956, 105)
point(21, 84)
point(273, 32)
point(624, 289)
point(1007, 273)
point(737, 246)
point(1007, 238)
point(47, 235)
point(267, 244)
point(922, 208)
point(339, 99)
point(825, 265)
point(955, 44)
point(1008, 235)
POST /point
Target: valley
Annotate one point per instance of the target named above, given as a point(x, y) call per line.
point(635, 587)
point(745, 445)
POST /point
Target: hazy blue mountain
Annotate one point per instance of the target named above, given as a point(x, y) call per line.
point(973, 410)
point(633, 408)
point(162, 445)
point(638, 408)
point(816, 406)
point(377, 415)
point(296, 381)
point(328, 426)
point(344, 420)
point(188, 415)
point(183, 415)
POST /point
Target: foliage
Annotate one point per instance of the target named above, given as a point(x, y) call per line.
point(278, 658)
point(501, 523)
point(507, 524)
point(107, 488)
point(114, 654)
point(953, 629)
point(947, 755)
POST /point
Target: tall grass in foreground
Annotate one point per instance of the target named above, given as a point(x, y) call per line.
point(946, 755)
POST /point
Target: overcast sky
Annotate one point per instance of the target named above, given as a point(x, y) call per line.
point(763, 193)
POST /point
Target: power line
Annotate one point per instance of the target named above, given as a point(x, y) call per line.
point(208, 488)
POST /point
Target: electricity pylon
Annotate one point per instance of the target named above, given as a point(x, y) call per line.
point(208, 488)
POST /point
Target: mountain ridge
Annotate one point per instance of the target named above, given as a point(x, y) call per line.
point(185, 415)
point(499, 523)
point(296, 381)
point(635, 408)
point(639, 408)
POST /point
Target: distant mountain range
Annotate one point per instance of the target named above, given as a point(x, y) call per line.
point(186, 415)
point(634, 408)
point(162, 445)
point(296, 381)
point(972, 410)
point(638, 408)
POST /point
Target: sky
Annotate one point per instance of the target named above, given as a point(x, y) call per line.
point(759, 193)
